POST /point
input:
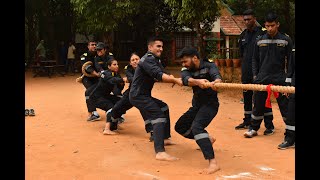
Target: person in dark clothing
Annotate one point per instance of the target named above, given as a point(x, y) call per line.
point(63, 51)
point(205, 104)
point(156, 112)
point(271, 51)
point(103, 56)
point(246, 43)
point(99, 95)
point(90, 69)
point(120, 108)
point(290, 133)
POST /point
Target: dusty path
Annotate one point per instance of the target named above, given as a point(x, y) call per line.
point(61, 144)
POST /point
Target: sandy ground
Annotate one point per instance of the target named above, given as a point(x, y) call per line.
point(61, 144)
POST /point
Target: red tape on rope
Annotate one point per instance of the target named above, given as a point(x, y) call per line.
point(268, 100)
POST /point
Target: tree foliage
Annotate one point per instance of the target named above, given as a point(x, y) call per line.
point(102, 15)
point(198, 15)
point(284, 8)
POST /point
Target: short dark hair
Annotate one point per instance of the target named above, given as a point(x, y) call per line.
point(90, 41)
point(271, 17)
point(134, 53)
point(248, 12)
point(188, 51)
point(152, 39)
point(109, 62)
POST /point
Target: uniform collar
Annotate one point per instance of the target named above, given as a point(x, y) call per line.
point(153, 54)
point(201, 66)
point(274, 37)
point(255, 29)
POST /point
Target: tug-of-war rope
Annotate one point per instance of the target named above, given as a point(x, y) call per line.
point(271, 89)
point(256, 87)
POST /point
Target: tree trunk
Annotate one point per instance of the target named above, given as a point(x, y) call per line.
point(107, 39)
point(200, 35)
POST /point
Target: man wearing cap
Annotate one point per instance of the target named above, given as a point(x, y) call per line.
point(205, 104)
point(103, 56)
point(149, 71)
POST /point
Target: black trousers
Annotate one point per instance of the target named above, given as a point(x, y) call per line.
point(120, 108)
point(70, 65)
point(88, 81)
point(291, 119)
point(259, 108)
point(247, 101)
point(192, 124)
point(156, 113)
point(103, 102)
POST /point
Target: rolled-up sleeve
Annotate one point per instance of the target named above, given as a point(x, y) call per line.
point(214, 72)
point(185, 75)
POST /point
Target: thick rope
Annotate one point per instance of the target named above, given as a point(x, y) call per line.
point(254, 87)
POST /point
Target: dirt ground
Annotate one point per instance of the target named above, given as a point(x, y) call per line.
point(61, 144)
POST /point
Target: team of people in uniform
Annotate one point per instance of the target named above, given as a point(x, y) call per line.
point(104, 85)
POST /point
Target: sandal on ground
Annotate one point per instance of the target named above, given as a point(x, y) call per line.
point(26, 112)
point(31, 112)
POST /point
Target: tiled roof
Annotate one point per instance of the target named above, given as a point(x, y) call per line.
point(228, 26)
point(232, 25)
point(239, 21)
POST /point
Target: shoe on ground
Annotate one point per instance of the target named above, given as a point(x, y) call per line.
point(286, 145)
point(26, 112)
point(94, 118)
point(31, 112)
point(242, 126)
point(268, 132)
point(250, 133)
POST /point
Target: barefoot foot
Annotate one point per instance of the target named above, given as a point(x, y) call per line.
point(109, 132)
point(120, 127)
point(168, 142)
point(163, 156)
point(213, 167)
point(212, 139)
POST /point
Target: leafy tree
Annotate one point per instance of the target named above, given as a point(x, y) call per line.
point(284, 8)
point(49, 20)
point(198, 15)
point(141, 18)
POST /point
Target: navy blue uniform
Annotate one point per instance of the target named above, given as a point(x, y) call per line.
point(205, 105)
point(246, 46)
point(99, 94)
point(100, 63)
point(124, 104)
point(154, 111)
point(88, 81)
point(291, 119)
point(268, 66)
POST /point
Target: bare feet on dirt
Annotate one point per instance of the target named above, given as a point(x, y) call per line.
point(120, 127)
point(163, 156)
point(213, 167)
point(109, 132)
point(168, 142)
point(212, 139)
